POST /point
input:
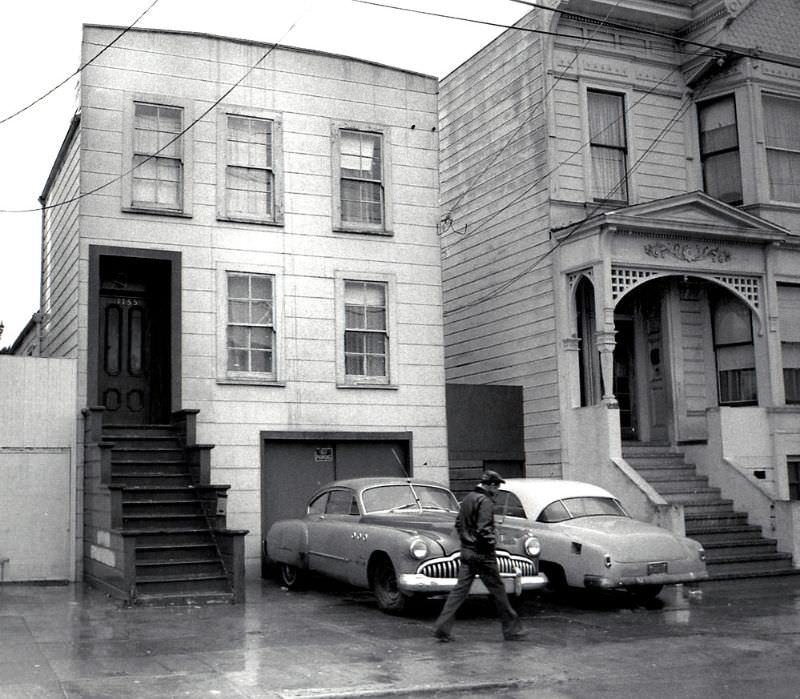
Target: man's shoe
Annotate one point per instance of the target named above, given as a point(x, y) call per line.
point(442, 636)
point(516, 636)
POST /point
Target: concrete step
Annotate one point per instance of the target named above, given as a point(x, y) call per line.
point(700, 498)
point(750, 566)
point(741, 547)
point(709, 536)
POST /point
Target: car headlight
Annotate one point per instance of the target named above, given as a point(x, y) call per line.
point(532, 546)
point(418, 549)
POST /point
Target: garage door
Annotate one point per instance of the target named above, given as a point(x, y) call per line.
point(293, 469)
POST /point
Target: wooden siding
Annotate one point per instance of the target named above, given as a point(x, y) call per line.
point(499, 315)
point(310, 93)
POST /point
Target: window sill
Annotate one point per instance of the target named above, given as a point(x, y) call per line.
point(380, 386)
point(363, 231)
point(250, 381)
point(255, 221)
point(156, 212)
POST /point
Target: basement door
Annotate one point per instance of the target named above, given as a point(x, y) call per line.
point(293, 469)
point(133, 340)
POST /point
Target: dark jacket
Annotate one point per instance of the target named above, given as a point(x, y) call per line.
point(475, 522)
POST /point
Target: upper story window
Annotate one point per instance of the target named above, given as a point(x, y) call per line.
point(366, 342)
point(361, 168)
point(157, 157)
point(250, 333)
point(719, 149)
point(608, 146)
point(361, 178)
point(249, 166)
point(782, 134)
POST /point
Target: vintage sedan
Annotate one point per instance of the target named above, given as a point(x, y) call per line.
point(588, 539)
point(395, 536)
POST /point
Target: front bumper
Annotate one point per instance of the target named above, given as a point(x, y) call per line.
point(438, 576)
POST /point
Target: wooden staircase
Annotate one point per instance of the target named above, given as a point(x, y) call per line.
point(734, 548)
point(168, 518)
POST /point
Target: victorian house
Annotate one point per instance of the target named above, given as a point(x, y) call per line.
point(240, 254)
point(621, 239)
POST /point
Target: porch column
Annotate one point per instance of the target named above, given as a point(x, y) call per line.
point(572, 348)
point(605, 346)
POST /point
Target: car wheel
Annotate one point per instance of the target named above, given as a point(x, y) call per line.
point(645, 593)
point(556, 579)
point(291, 576)
point(384, 587)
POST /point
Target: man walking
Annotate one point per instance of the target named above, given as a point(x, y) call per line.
point(476, 529)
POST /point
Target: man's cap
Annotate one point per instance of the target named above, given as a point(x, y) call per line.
point(492, 478)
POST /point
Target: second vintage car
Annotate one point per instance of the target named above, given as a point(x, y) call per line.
point(589, 540)
point(395, 536)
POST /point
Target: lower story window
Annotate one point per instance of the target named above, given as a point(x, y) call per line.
point(251, 328)
point(793, 465)
point(365, 336)
point(735, 353)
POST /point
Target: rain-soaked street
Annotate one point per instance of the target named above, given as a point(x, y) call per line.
point(726, 639)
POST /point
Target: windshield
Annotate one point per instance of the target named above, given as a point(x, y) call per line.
point(407, 496)
point(570, 508)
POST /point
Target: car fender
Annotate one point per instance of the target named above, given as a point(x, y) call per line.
point(287, 542)
point(379, 541)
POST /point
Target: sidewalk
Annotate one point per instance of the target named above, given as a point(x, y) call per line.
point(74, 642)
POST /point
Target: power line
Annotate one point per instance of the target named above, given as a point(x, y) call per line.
point(81, 68)
point(525, 121)
point(680, 112)
point(168, 143)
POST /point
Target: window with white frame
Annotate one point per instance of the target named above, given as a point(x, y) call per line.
point(793, 473)
point(250, 332)
point(157, 168)
point(249, 168)
point(719, 149)
point(608, 145)
point(361, 181)
point(789, 323)
point(735, 354)
point(782, 137)
point(366, 340)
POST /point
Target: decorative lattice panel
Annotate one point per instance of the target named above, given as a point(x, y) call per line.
point(624, 279)
point(747, 287)
point(574, 277)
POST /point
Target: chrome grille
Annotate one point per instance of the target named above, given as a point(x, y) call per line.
point(448, 567)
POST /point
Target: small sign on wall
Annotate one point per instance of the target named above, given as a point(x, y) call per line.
point(323, 454)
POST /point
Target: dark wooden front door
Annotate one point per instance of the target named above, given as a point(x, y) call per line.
point(133, 347)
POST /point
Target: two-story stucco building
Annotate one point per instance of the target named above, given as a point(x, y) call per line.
point(621, 238)
point(240, 243)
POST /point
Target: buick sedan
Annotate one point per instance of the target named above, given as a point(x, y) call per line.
point(394, 536)
point(589, 541)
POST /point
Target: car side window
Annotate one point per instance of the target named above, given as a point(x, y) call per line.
point(508, 504)
point(341, 502)
point(317, 505)
point(554, 512)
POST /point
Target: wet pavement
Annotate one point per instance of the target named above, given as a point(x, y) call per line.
point(723, 639)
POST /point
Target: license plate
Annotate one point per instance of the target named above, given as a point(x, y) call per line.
point(478, 588)
point(656, 568)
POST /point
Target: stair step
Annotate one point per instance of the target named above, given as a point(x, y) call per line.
point(131, 454)
point(155, 493)
point(196, 598)
point(697, 486)
point(749, 548)
point(164, 522)
point(704, 499)
point(151, 479)
point(719, 535)
point(184, 552)
point(161, 508)
point(182, 584)
point(149, 538)
point(150, 570)
point(687, 474)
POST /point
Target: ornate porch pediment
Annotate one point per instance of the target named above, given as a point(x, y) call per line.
point(694, 214)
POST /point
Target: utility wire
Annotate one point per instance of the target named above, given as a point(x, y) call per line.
point(81, 68)
point(551, 87)
point(515, 27)
point(680, 112)
point(168, 143)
